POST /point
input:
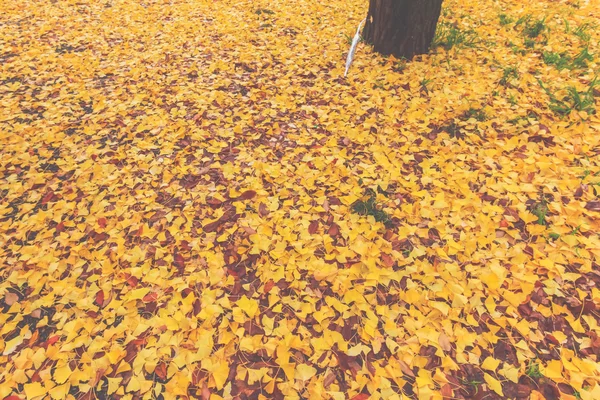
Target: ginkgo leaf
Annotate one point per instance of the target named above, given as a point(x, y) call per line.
point(196, 203)
point(61, 374)
point(220, 374)
point(493, 384)
point(34, 390)
point(249, 306)
point(304, 372)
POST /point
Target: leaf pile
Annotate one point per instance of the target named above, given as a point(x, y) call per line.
point(179, 195)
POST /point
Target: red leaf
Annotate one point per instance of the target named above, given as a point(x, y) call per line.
point(161, 370)
point(12, 398)
point(99, 298)
point(312, 228)
point(52, 340)
point(132, 281)
point(150, 297)
point(247, 195)
point(269, 285)
point(60, 227)
point(102, 222)
point(361, 396)
point(387, 260)
point(47, 197)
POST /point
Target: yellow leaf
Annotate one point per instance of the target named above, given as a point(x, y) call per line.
point(490, 364)
point(133, 385)
point(553, 370)
point(138, 294)
point(304, 372)
point(249, 306)
point(61, 374)
point(59, 392)
point(493, 384)
point(325, 272)
point(113, 384)
point(220, 374)
point(34, 389)
point(12, 345)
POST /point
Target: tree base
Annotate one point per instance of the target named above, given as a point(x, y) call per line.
point(403, 28)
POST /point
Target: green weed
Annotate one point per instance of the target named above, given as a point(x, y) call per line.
point(424, 82)
point(540, 210)
point(560, 61)
point(453, 130)
point(581, 59)
point(448, 36)
point(529, 43)
point(476, 113)
point(370, 207)
point(533, 370)
point(573, 100)
point(509, 73)
point(264, 11)
point(582, 32)
point(505, 19)
point(535, 29)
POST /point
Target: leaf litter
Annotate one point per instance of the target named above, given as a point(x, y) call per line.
point(195, 203)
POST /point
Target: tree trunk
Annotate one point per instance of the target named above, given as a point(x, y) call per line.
point(403, 28)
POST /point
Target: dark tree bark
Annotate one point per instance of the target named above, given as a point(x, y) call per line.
point(403, 28)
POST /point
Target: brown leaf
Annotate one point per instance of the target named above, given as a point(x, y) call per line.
point(444, 342)
point(11, 298)
point(247, 195)
point(329, 379)
point(262, 210)
point(178, 261)
point(593, 205)
point(406, 369)
point(205, 392)
point(334, 230)
point(447, 392)
point(312, 228)
point(212, 227)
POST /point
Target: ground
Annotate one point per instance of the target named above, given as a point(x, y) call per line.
point(195, 202)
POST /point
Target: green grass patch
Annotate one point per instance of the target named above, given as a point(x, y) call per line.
point(559, 61)
point(476, 113)
point(505, 19)
point(370, 207)
point(449, 35)
point(581, 59)
point(533, 370)
point(534, 29)
point(582, 32)
point(508, 74)
point(573, 99)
